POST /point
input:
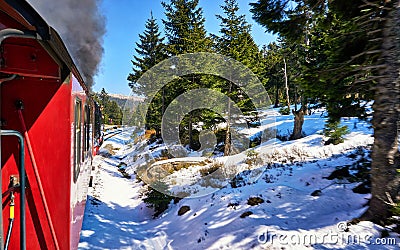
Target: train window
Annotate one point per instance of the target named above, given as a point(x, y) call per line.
point(78, 137)
point(86, 133)
point(88, 128)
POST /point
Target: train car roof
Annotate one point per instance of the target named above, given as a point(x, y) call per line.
point(22, 12)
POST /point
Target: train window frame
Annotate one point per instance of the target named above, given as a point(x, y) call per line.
point(83, 149)
point(77, 137)
point(89, 129)
point(86, 132)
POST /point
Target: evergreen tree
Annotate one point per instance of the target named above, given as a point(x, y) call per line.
point(272, 57)
point(185, 31)
point(290, 19)
point(383, 20)
point(151, 51)
point(156, 198)
point(303, 24)
point(111, 112)
point(184, 27)
point(236, 42)
point(292, 23)
point(333, 71)
point(103, 98)
point(353, 46)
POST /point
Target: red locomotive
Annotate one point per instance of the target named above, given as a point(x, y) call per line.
point(47, 134)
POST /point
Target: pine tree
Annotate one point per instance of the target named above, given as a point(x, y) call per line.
point(354, 45)
point(103, 97)
point(111, 112)
point(235, 40)
point(184, 27)
point(291, 21)
point(332, 73)
point(151, 51)
point(237, 43)
point(272, 58)
point(185, 32)
point(156, 198)
point(331, 79)
point(383, 20)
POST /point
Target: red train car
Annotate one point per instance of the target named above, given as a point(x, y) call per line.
point(47, 119)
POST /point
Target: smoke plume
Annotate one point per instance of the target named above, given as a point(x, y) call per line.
point(82, 27)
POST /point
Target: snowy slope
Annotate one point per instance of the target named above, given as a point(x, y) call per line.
point(288, 217)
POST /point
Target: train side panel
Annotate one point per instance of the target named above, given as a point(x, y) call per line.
point(81, 156)
point(46, 115)
point(42, 91)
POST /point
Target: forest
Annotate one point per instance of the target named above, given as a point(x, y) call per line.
point(338, 55)
point(111, 111)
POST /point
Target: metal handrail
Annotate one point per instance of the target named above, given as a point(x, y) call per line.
point(22, 183)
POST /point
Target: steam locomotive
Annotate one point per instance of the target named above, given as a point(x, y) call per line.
point(48, 134)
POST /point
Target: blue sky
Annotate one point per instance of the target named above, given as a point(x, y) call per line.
point(126, 20)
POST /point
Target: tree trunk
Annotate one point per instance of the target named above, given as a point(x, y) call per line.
point(163, 102)
point(190, 131)
point(191, 144)
point(295, 98)
point(227, 149)
point(286, 84)
point(384, 177)
point(158, 131)
point(298, 124)
point(276, 97)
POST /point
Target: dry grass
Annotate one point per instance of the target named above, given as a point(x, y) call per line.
point(149, 133)
point(254, 201)
point(110, 150)
point(211, 169)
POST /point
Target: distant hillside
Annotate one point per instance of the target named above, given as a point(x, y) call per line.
point(121, 99)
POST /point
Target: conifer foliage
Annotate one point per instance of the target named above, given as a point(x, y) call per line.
point(185, 32)
point(184, 27)
point(383, 20)
point(111, 112)
point(352, 55)
point(237, 43)
point(150, 50)
point(235, 40)
point(337, 54)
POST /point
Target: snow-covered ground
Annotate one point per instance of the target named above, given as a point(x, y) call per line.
point(285, 201)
